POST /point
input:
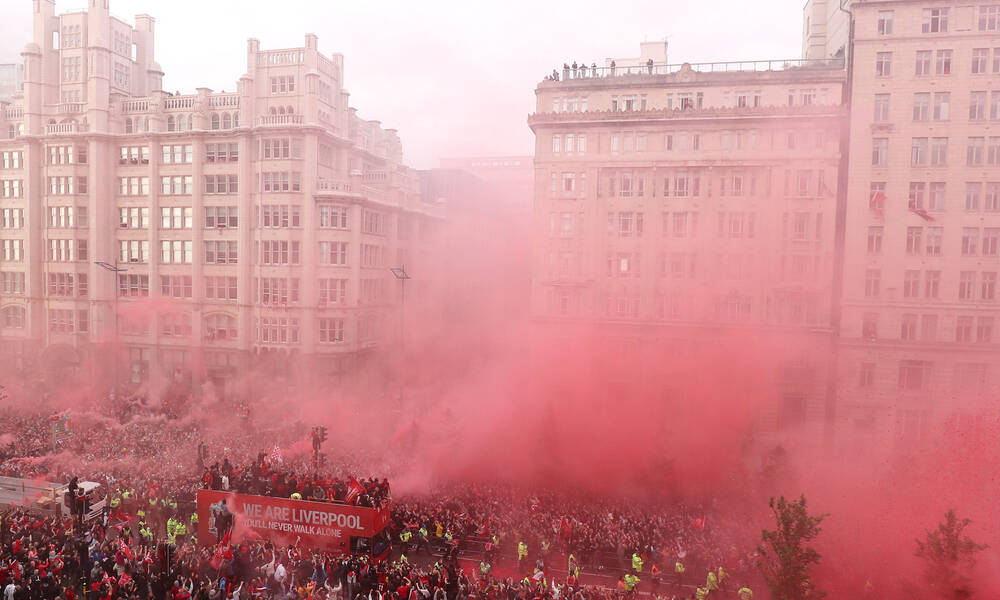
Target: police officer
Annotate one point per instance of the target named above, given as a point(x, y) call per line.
point(745, 593)
point(636, 562)
point(522, 553)
point(679, 572)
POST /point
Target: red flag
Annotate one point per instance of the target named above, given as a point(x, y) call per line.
point(123, 547)
point(922, 214)
point(877, 203)
point(699, 524)
point(353, 491)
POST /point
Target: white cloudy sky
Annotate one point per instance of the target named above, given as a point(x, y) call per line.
point(455, 77)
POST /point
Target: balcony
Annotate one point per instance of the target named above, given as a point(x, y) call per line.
point(342, 188)
point(179, 102)
point(709, 113)
point(135, 105)
point(224, 100)
point(70, 108)
point(271, 120)
point(64, 128)
point(744, 66)
point(14, 113)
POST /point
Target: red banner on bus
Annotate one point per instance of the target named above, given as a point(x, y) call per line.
point(319, 525)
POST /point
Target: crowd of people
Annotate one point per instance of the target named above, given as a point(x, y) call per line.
point(582, 71)
point(499, 541)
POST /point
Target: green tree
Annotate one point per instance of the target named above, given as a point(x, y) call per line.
point(785, 559)
point(949, 554)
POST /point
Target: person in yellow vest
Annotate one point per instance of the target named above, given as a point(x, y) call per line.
point(745, 593)
point(438, 529)
point(171, 528)
point(146, 534)
point(701, 593)
point(404, 538)
point(484, 568)
point(631, 581)
point(679, 572)
point(116, 500)
point(573, 569)
point(723, 576)
point(403, 559)
point(636, 562)
point(522, 553)
point(712, 582)
point(180, 531)
point(194, 521)
point(141, 513)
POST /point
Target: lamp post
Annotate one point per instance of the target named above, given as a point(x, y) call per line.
point(401, 275)
point(115, 270)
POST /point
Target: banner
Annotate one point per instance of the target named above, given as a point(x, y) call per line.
point(320, 525)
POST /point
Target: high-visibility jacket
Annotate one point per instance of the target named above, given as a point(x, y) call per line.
point(146, 533)
point(194, 519)
point(448, 536)
point(630, 582)
point(405, 536)
point(180, 528)
point(403, 559)
point(678, 567)
point(115, 502)
point(636, 563)
point(722, 575)
point(423, 531)
point(712, 582)
point(141, 513)
point(439, 529)
point(522, 550)
point(545, 546)
point(745, 593)
point(171, 525)
point(484, 567)
point(701, 593)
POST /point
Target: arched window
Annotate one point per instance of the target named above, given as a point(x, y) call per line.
point(128, 125)
point(236, 119)
point(141, 124)
point(181, 123)
point(281, 110)
point(171, 123)
point(13, 317)
point(227, 121)
point(11, 131)
point(290, 110)
point(20, 129)
point(215, 120)
point(219, 327)
point(274, 111)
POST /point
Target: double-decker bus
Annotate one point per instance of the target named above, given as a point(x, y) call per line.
point(327, 526)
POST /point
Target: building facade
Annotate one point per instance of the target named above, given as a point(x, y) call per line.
point(686, 201)
point(918, 338)
point(11, 81)
point(246, 227)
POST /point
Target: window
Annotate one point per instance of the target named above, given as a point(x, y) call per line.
point(918, 152)
point(221, 252)
point(881, 108)
point(934, 237)
point(866, 375)
point(12, 282)
point(13, 250)
point(13, 317)
point(911, 284)
point(371, 256)
point(991, 199)
point(176, 185)
point(274, 216)
point(279, 252)
point(333, 254)
point(942, 63)
point(923, 63)
point(278, 290)
point(880, 151)
point(939, 151)
point(988, 288)
point(994, 105)
point(873, 279)
point(908, 328)
point(175, 286)
point(133, 285)
point(66, 250)
point(885, 22)
point(928, 328)
point(942, 104)
point(980, 59)
point(974, 151)
point(179, 154)
point(331, 331)
point(875, 239)
point(332, 291)
point(935, 20)
point(970, 238)
point(175, 252)
point(963, 329)
point(989, 17)
point(133, 186)
point(932, 284)
point(222, 184)
point(869, 326)
point(278, 330)
point(176, 217)
point(556, 143)
point(221, 217)
point(281, 181)
point(283, 85)
point(332, 216)
point(967, 285)
point(223, 152)
point(921, 106)
point(912, 374)
point(913, 237)
point(220, 288)
point(977, 106)
point(883, 64)
point(11, 159)
point(133, 251)
point(220, 327)
point(993, 151)
point(175, 324)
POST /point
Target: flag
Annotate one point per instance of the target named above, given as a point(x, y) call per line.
point(123, 547)
point(922, 214)
point(354, 489)
point(877, 203)
point(699, 523)
point(276, 455)
point(538, 576)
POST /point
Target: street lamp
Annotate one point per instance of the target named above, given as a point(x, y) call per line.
point(115, 270)
point(400, 274)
